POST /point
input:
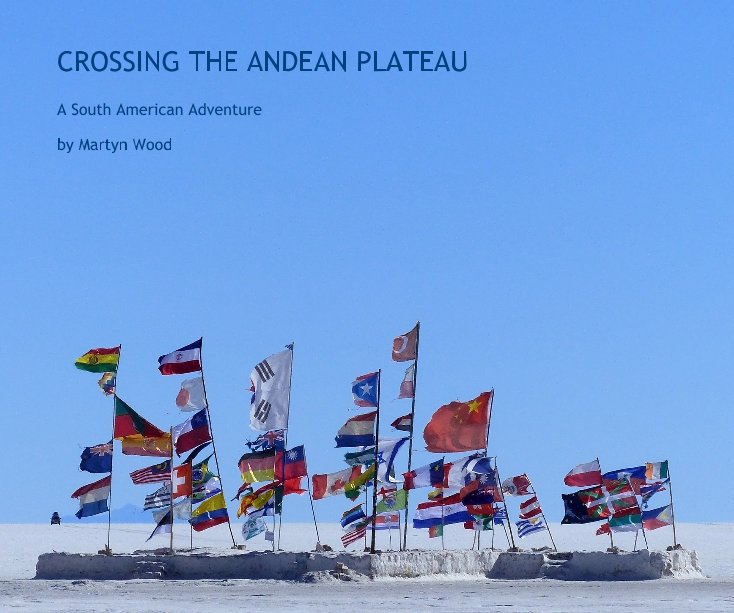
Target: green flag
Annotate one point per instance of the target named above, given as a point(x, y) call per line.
point(395, 501)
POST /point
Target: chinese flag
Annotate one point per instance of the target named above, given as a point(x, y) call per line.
point(459, 426)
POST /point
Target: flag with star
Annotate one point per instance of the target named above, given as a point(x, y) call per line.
point(364, 390)
point(459, 426)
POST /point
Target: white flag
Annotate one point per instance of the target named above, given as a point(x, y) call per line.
point(191, 397)
point(271, 382)
point(181, 510)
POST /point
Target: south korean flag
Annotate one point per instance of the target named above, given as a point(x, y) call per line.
point(271, 387)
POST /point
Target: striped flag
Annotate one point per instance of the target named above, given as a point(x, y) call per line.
point(530, 508)
point(160, 498)
point(357, 532)
point(525, 526)
point(152, 474)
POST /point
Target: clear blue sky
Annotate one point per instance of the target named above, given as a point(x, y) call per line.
point(559, 217)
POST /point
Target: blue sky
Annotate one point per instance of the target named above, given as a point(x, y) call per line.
point(558, 217)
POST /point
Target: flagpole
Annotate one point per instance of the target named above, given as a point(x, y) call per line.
point(504, 502)
point(377, 448)
point(611, 538)
point(547, 527)
point(211, 432)
point(672, 510)
point(112, 452)
point(442, 510)
point(170, 501)
point(285, 447)
point(412, 428)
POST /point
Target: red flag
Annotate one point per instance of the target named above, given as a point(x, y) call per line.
point(530, 508)
point(516, 486)
point(584, 475)
point(181, 479)
point(459, 426)
point(405, 346)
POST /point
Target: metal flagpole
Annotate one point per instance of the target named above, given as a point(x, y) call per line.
point(504, 502)
point(442, 510)
point(486, 452)
point(611, 538)
point(637, 533)
point(547, 527)
point(211, 432)
point(377, 449)
point(310, 498)
point(672, 510)
point(112, 450)
point(285, 447)
point(412, 428)
point(366, 508)
point(170, 501)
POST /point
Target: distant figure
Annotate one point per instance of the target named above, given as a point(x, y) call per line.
point(55, 519)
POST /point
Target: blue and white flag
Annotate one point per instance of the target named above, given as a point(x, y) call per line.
point(386, 452)
point(268, 440)
point(500, 516)
point(528, 526)
point(364, 389)
point(359, 431)
point(97, 459)
point(252, 527)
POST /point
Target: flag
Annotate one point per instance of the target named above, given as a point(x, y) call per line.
point(97, 459)
point(657, 518)
point(480, 522)
point(191, 396)
point(252, 527)
point(181, 510)
point(530, 508)
point(293, 486)
point(584, 475)
point(656, 471)
point(196, 452)
point(404, 423)
point(99, 360)
point(258, 466)
point(333, 483)
point(107, 383)
point(294, 465)
point(405, 346)
point(386, 521)
point(387, 450)
point(191, 433)
point(163, 526)
point(356, 532)
point(635, 476)
point(516, 486)
point(181, 480)
point(430, 475)
point(160, 498)
point(435, 531)
point(435, 514)
point(395, 501)
point(357, 431)
point(575, 512)
point(200, 472)
point(150, 446)
point(268, 440)
point(613, 498)
point(257, 499)
point(271, 387)
point(184, 360)
point(267, 511)
point(351, 515)
point(528, 526)
point(479, 465)
point(407, 385)
point(354, 485)
point(459, 426)
point(365, 456)
point(129, 423)
point(152, 474)
point(93, 497)
point(626, 523)
point(478, 502)
point(207, 489)
point(647, 491)
point(364, 390)
point(211, 512)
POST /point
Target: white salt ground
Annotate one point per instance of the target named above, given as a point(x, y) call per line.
point(21, 545)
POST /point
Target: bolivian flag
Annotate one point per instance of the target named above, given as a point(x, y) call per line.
point(99, 360)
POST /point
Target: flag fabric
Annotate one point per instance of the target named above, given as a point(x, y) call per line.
point(584, 475)
point(93, 497)
point(268, 440)
point(181, 510)
point(191, 396)
point(351, 515)
point(293, 486)
point(635, 476)
point(405, 346)
point(357, 431)
point(97, 459)
point(435, 531)
point(430, 475)
point(99, 360)
point(200, 472)
point(129, 423)
point(211, 512)
point(152, 474)
point(404, 423)
point(107, 383)
point(271, 390)
point(480, 522)
point(613, 498)
point(395, 501)
point(387, 450)
point(333, 483)
point(427, 516)
point(158, 499)
point(516, 486)
point(656, 471)
point(258, 466)
point(530, 508)
point(354, 486)
point(386, 521)
point(206, 489)
point(257, 499)
point(528, 526)
point(500, 515)
point(191, 433)
point(407, 385)
point(459, 426)
point(478, 502)
point(575, 512)
point(626, 523)
point(181, 480)
point(181, 361)
point(291, 464)
point(657, 518)
point(356, 532)
point(365, 456)
point(252, 527)
point(150, 446)
point(648, 491)
point(163, 526)
point(267, 511)
point(364, 390)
